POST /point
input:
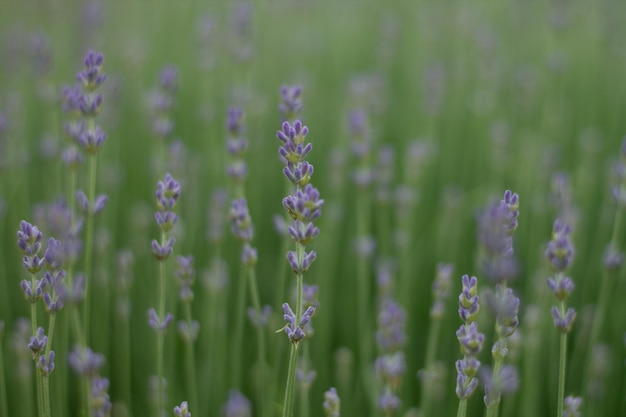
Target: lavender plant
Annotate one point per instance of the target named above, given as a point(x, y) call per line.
point(167, 195)
point(471, 341)
point(560, 253)
point(304, 206)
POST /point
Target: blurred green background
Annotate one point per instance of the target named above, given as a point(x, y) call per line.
point(500, 95)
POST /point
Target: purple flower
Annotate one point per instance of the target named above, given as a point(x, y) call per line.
point(391, 335)
point(441, 290)
point(167, 193)
point(389, 403)
point(294, 331)
point(237, 405)
point(291, 101)
point(468, 299)
point(332, 403)
point(38, 342)
point(294, 151)
point(505, 382)
point(470, 339)
point(29, 238)
point(168, 79)
point(188, 330)
point(234, 121)
point(182, 410)
point(560, 250)
point(34, 292)
point(241, 222)
point(85, 362)
point(466, 382)
point(163, 252)
point(305, 205)
point(156, 322)
point(46, 364)
point(100, 400)
point(92, 140)
point(260, 319)
point(91, 77)
point(571, 406)
point(389, 369)
point(563, 322)
point(301, 267)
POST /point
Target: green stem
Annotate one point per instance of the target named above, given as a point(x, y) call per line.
point(433, 337)
point(562, 358)
point(236, 358)
point(191, 362)
point(33, 322)
point(89, 243)
point(262, 371)
point(4, 407)
point(461, 411)
point(161, 332)
point(291, 382)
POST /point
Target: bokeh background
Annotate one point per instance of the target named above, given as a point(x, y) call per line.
point(468, 98)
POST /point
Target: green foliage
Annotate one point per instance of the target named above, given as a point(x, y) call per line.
point(502, 95)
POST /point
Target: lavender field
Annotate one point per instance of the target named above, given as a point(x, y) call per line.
point(312, 208)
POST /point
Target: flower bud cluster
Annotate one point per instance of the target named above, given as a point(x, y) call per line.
point(470, 339)
point(560, 253)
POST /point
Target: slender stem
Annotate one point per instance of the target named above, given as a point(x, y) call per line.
point(4, 407)
point(431, 349)
point(33, 322)
point(89, 242)
point(562, 358)
point(291, 381)
point(161, 332)
point(191, 362)
point(462, 410)
point(262, 371)
point(238, 335)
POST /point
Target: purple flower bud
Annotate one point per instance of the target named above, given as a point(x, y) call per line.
point(166, 220)
point(305, 205)
point(563, 323)
point(470, 339)
point(260, 319)
point(167, 193)
point(46, 364)
point(248, 255)
point(468, 299)
point(72, 157)
point(85, 362)
point(572, 406)
point(505, 382)
point(51, 305)
point(155, 321)
point(241, 222)
point(560, 250)
point(169, 79)
point(293, 331)
point(389, 403)
point(182, 410)
point(612, 258)
point(92, 140)
point(163, 252)
point(332, 403)
point(561, 288)
point(237, 405)
point(188, 331)
point(234, 121)
point(38, 342)
point(92, 78)
point(29, 238)
point(291, 101)
point(389, 369)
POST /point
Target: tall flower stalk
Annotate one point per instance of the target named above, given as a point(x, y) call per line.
point(471, 342)
point(167, 194)
point(560, 253)
point(496, 227)
point(429, 375)
point(304, 206)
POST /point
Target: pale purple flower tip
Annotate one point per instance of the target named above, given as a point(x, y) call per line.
point(248, 255)
point(389, 368)
point(163, 252)
point(84, 361)
point(46, 364)
point(72, 157)
point(156, 322)
point(560, 250)
point(293, 331)
point(305, 205)
point(100, 397)
point(237, 405)
point(260, 319)
point(169, 79)
point(466, 381)
point(332, 403)
point(182, 410)
point(612, 258)
point(572, 406)
point(92, 140)
point(241, 223)
point(38, 342)
point(470, 339)
point(506, 382)
point(91, 77)
point(33, 294)
point(167, 193)
point(235, 121)
point(563, 323)
point(561, 288)
point(29, 238)
point(281, 226)
point(188, 330)
point(391, 335)
point(468, 299)
point(291, 100)
point(389, 403)
point(307, 260)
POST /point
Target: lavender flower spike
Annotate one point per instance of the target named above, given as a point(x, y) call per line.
point(293, 331)
point(182, 410)
point(332, 403)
